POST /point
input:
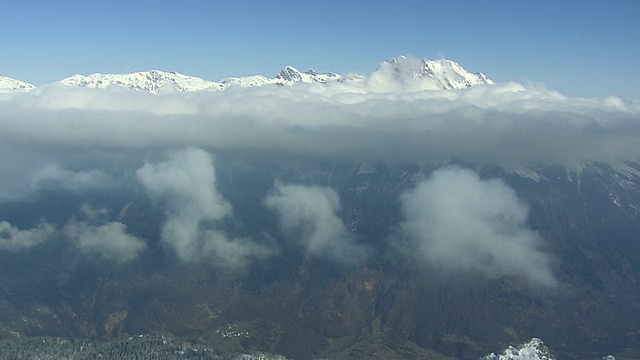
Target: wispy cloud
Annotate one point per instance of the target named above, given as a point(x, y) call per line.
point(309, 217)
point(109, 241)
point(186, 184)
point(95, 235)
point(53, 176)
point(14, 239)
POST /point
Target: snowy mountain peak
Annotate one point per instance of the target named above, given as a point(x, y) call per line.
point(152, 81)
point(422, 74)
point(289, 74)
point(532, 350)
point(247, 81)
point(8, 85)
point(398, 74)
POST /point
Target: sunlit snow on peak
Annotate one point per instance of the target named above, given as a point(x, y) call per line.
point(9, 85)
point(401, 74)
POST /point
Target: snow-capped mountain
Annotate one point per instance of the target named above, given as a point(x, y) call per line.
point(421, 74)
point(156, 82)
point(247, 81)
point(532, 350)
point(8, 84)
point(287, 76)
point(152, 81)
point(291, 75)
point(399, 74)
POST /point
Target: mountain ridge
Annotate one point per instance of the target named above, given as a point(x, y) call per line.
point(153, 81)
point(400, 73)
point(423, 74)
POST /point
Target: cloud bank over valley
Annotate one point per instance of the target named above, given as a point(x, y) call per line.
point(87, 142)
point(488, 123)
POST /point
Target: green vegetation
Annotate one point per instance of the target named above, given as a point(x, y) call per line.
point(374, 343)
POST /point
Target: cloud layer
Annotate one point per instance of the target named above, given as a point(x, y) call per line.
point(80, 140)
point(497, 123)
point(459, 222)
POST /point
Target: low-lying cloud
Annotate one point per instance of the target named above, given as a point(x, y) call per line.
point(186, 185)
point(14, 239)
point(109, 241)
point(484, 124)
point(53, 176)
point(96, 236)
point(309, 216)
point(459, 222)
point(76, 139)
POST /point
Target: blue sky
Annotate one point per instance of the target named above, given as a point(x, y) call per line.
point(580, 48)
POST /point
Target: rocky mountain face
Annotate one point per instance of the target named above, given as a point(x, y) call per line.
point(302, 306)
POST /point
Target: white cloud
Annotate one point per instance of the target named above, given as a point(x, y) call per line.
point(52, 175)
point(186, 183)
point(28, 167)
point(308, 215)
point(505, 122)
point(14, 239)
point(458, 222)
point(95, 235)
point(109, 240)
point(64, 137)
